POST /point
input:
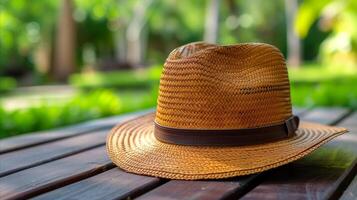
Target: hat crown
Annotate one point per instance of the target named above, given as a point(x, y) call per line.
point(205, 86)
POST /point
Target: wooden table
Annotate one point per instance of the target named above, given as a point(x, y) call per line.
point(71, 163)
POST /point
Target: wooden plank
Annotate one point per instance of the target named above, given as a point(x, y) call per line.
point(25, 158)
point(36, 180)
point(326, 115)
point(33, 139)
point(211, 189)
point(351, 191)
point(323, 174)
point(112, 184)
point(299, 111)
point(219, 189)
point(70, 169)
point(30, 140)
point(80, 190)
point(230, 192)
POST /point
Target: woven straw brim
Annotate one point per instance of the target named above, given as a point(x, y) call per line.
point(133, 147)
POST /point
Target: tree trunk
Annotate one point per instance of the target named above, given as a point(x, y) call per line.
point(135, 34)
point(120, 46)
point(212, 22)
point(64, 63)
point(43, 57)
point(293, 41)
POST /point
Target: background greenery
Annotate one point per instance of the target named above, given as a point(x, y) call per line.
point(106, 81)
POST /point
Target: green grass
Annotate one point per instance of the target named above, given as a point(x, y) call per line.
point(103, 94)
point(320, 73)
point(82, 107)
point(7, 84)
point(138, 79)
point(314, 85)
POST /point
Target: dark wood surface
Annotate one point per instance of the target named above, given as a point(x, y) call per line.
point(351, 191)
point(241, 186)
point(215, 189)
point(29, 182)
point(315, 176)
point(71, 163)
point(26, 158)
point(112, 184)
point(29, 140)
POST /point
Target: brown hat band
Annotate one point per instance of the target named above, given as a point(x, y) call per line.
point(227, 137)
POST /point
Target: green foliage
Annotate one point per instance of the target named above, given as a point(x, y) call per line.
point(101, 24)
point(337, 18)
point(80, 108)
point(309, 11)
point(27, 26)
point(7, 84)
point(254, 21)
point(139, 79)
point(314, 85)
point(340, 93)
point(311, 85)
point(313, 72)
point(23, 24)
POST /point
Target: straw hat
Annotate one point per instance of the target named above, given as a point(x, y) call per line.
point(222, 111)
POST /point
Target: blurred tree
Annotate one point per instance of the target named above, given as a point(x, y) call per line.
point(212, 21)
point(108, 30)
point(293, 41)
point(173, 23)
point(136, 34)
point(338, 17)
point(253, 21)
point(127, 22)
point(64, 63)
point(24, 33)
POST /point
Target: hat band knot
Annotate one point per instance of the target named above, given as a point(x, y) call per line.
point(227, 137)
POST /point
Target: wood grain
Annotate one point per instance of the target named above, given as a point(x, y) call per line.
point(134, 183)
point(215, 189)
point(348, 179)
point(25, 158)
point(36, 180)
point(320, 175)
point(84, 176)
point(130, 185)
point(351, 191)
point(227, 190)
point(112, 184)
point(33, 139)
point(60, 172)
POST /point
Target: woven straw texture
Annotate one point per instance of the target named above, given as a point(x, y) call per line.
point(205, 86)
point(240, 86)
point(133, 147)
